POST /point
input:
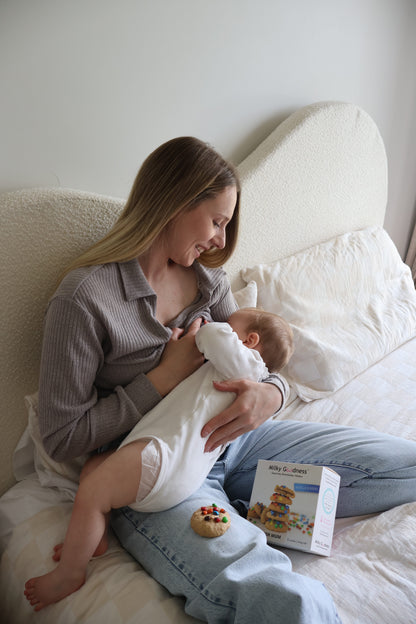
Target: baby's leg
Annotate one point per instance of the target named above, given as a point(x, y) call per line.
point(114, 483)
point(91, 464)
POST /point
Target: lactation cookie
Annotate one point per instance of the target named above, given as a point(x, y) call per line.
point(256, 510)
point(276, 525)
point(263, 516)
point(279, 507)
point(210, 521)
point(276, 497)
point(284, 490)
point(275, 515)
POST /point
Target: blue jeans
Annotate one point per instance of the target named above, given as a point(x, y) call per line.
point(239, 578)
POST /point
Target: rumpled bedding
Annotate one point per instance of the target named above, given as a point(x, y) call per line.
point(371, 572)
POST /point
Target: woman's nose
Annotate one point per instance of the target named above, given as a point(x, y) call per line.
point(219, 239)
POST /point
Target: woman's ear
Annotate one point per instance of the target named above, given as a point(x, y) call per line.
point(252, 340)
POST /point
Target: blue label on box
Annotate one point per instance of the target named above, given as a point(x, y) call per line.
point(306, 487)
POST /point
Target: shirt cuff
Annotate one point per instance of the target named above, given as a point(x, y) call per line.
point(143, 394)
point(280, 383)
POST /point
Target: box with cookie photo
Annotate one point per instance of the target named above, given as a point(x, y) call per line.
point(295, 505)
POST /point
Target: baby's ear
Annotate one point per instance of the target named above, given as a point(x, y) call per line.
point(252, 340)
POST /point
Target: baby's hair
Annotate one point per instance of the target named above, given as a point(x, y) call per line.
point(276, 338)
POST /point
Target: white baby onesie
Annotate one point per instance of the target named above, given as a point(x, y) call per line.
point(174, 425)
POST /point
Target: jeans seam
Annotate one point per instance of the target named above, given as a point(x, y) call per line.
point(199, 587)
point(335, 464)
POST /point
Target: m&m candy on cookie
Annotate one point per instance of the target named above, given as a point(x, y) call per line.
point(210, 521)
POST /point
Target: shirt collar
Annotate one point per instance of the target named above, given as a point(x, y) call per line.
point(135, 284)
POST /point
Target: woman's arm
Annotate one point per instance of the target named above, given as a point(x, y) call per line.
point(255, 403)
point(73, 418)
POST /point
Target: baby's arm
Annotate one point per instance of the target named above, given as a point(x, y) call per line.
point(233, 360)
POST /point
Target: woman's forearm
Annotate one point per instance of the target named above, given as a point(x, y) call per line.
point(254, 404)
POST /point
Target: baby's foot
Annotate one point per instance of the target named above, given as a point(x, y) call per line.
point(44, 590)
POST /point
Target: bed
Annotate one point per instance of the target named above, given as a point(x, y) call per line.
point(312, 248)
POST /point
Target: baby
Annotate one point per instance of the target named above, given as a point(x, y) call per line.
point(162, 460)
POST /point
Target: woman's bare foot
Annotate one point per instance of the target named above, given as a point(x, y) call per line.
point(100, 550)
point(52, 587)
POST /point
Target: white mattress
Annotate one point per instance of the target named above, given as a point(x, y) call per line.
point(371, 572)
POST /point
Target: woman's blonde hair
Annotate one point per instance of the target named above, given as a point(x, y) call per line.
point(176, 177)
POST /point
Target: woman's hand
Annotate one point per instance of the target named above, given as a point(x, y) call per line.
point(254, 404)
point(180, 359)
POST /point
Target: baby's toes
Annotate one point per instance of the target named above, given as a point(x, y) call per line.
point(29, 591)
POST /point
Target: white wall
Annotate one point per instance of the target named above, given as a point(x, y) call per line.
point(90, 87)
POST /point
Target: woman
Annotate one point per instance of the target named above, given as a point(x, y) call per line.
point(119, 335)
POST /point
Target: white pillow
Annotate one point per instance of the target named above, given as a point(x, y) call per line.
point(247, 297)
point(349, 301)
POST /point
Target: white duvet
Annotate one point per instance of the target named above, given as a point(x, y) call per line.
point(371, 572)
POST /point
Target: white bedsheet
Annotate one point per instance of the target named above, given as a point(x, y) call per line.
point(371, 572)
point(372, 569)
point(382, 398)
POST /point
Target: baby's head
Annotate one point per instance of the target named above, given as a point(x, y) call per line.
point(266, 332)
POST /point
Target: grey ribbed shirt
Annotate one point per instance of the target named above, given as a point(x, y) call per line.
point(101, 337)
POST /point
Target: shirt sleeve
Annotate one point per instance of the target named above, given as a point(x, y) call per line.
point(280, 382)
point(223, 348)
point(73, 418)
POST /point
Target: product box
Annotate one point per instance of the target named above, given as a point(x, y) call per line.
point(295, 505)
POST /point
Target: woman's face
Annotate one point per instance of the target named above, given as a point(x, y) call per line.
point(201, 228)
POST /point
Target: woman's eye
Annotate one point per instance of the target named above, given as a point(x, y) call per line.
point(217, 225)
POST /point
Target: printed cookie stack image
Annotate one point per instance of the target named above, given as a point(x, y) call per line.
point(274, 516)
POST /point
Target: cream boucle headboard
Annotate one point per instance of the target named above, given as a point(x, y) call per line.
point(320, 173)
